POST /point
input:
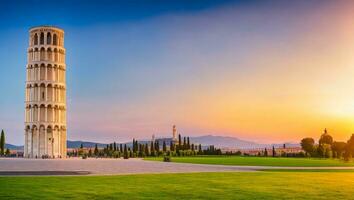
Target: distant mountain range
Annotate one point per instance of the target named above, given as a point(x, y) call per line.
point(206, 140)
point(13, 147)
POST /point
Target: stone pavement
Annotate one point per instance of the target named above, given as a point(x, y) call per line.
point(93, 166)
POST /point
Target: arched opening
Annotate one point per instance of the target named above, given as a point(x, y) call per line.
point(28, 74)
point(50, 113)
point(27, 92)
point(55, 141)
point(50, 92)
point(42, 38)
point(55, 93)
point(49, 72)
point(49, 141)
point(49, 38)
point(49, 54)
point(34, 144)
point(55, 71)
point(34, 73)
point(27, 119)
point(35, 39)
point(35, 54)
point(42, 74)
point(42, 54)
point(42, 92)
point(56, 55)
point(35, 92)
point(29, 55)
point(41, 142)
point(42, 113)
point(55, 39)
point(35, 113)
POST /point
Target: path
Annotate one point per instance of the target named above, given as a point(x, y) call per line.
point(75, 166)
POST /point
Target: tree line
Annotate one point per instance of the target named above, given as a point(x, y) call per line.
point(328, 148)
point(182, 147)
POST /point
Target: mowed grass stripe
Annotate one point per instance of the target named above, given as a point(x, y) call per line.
point(260, 161)
point(228, 185)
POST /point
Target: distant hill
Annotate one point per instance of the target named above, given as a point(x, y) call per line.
point(223, 141)
point(77, 144)
point(13, 147)
point(206, 140)
point(227, 142)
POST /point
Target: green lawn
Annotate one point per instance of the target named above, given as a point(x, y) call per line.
point(228, 185)
point(259, 161)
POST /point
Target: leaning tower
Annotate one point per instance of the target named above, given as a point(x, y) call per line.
point(45, 114)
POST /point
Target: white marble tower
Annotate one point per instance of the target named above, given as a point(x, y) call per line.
point(45, 114)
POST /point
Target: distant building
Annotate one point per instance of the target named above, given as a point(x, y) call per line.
point(254, 151)
point(174, 133)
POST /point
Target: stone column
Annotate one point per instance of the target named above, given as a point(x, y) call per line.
point(25, 147)
point(45, 141)
point(38, 147)
point(31, 154)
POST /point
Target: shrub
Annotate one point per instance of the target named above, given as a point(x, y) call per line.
point(167, 158)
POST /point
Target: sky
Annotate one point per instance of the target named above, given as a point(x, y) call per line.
point(265, 71)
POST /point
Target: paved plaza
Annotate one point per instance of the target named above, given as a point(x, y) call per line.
point(20, 166)
point(93, 166)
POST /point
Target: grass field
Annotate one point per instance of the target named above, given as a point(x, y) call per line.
point(232, 185)
point(259, 161)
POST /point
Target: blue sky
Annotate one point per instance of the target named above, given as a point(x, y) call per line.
point(87, 25)
point(135, 68)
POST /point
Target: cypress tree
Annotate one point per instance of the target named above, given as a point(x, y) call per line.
point(133, 145)
point(136, 145)
point(121, 147)
point(200, 148)
point(164, 146)
point(192, 147)
point(146, 150)
point(265, 152)
point(273, 152)
point(184, 143)
point(152, 149)
point(81, 146)
point(110, 147)
point(96, 150)
point(125, 153)
point(172, 146)
point(2, 143)
point(114, 146)
point(157, 146)
point(141, 150)
point(179, 141)
point(188, 144)
point(151, 146)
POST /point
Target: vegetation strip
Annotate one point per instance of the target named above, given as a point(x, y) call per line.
point(228, 185)
point(259, 161)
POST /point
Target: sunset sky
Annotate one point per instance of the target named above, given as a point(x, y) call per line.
point(266, 71)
